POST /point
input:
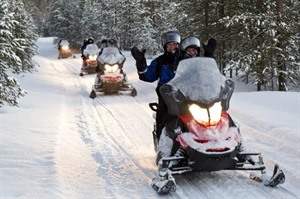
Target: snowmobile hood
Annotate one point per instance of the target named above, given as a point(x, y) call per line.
point(198, 80)
point(111, 55)
point(64, 42)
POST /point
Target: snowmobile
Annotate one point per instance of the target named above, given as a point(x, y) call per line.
point(199, 134)
point(89, 63)
point(111, 78)
point(64, 49)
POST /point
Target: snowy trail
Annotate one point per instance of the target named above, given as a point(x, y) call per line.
point(111, 112)
point(101, 126)
point(117, 130)
point(284, 147)
point(103, 148)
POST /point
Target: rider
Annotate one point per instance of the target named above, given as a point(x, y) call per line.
point(86, 42)
point(103, 43)
point(59, 44)
point(109, 43)
point(112, 43)
point(162, 69)
point(190, 47)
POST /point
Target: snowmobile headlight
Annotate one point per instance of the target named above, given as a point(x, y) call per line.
point(93, 57)
point(206, 116)
point(215, 113)
point(199, 114)
point(111, 68)
point(65, 47)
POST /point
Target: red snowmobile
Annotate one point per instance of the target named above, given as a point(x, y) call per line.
point(205, 138)
point(64, 49)
point(111, 78)
point(89, 64)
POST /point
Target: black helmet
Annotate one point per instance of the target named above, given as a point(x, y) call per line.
point(112, 43)
point(170, 36)
point(103, 43)
point(191, 42)
point(90, 40)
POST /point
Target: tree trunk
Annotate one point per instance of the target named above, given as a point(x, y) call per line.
point(280, 63)
point(222, 42)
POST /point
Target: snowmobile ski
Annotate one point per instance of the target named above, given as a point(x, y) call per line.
point(277, 178)
point(164, 183)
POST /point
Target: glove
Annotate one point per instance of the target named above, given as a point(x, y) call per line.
point(139, 57)
point(210, 47)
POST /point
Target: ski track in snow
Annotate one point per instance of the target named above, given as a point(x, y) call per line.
point(100, 128)
point(258, 140)
point(116, 158)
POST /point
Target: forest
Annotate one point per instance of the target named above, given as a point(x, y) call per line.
point(257, 40)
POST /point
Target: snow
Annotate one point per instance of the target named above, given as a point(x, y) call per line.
point(59, 143)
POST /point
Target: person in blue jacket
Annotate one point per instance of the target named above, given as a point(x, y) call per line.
point(162, 69)
point(86, 42)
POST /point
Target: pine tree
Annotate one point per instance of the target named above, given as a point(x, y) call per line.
point(59, 20)
point(93, 22)
point(75, 8)
point(263, 43)
point(25, 34)
point(9, 62)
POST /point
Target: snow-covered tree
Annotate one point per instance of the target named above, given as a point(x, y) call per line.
point(17, 47)
point(264, 41)
point(150, 20)
point(92, 22)
point(126, 24)
point(25, 33)
point(59, 19)
point(9, 62)
point(75, 8)
point(143, 30)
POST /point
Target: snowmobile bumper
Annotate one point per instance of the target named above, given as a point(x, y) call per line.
point(64, 54)
point(113, 85)
point(110, 88)
point(89, 69)
point(213, 162)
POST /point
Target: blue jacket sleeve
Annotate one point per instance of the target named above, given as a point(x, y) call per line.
point(149, 73)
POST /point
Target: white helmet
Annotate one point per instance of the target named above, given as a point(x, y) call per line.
point(191, 42)
point(170, 36)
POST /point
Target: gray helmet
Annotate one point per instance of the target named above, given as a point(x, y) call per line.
point(170, 36)
point(191, 42)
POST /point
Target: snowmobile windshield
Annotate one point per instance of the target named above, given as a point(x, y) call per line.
point(199, 79)
point(111, 55)
point(91, 49)
point(64, 42)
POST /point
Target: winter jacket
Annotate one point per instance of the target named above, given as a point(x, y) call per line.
point(83, 47)
point(162, 69)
